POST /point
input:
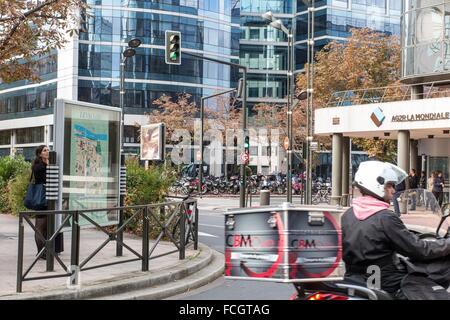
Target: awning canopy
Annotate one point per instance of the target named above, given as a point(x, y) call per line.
point(428, 118)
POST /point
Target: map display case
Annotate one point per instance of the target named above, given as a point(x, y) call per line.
point(87, 142)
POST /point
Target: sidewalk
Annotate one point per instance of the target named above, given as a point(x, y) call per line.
point(95, 282)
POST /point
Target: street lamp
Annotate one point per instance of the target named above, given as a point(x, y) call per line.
point(278, 24)
point(310, 91)
point(127, 53)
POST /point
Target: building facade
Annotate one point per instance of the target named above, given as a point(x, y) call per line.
point(264, 49)
point(419, 118)
point(87, 69)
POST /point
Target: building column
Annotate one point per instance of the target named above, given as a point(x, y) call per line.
point(413, 153)
point(345, 168)
point(403, 150)
point(336, 169)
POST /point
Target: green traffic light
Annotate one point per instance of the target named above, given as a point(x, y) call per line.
point(173, 56)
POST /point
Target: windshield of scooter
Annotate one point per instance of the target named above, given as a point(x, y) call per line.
point(420, 211)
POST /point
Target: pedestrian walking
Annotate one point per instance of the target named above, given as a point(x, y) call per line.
point(423, 180)
point(429, 201)
point(423, 186)
point(438, 187)
point(413, 184)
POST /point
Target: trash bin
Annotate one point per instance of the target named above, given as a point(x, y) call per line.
point(264, 198)
point(403, 205)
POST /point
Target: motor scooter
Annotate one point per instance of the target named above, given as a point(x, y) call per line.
point(428, 221)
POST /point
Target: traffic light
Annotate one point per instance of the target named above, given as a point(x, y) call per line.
point(247, 144)
point(173, 47)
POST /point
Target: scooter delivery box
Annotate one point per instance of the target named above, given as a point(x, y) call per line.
point(284, 244)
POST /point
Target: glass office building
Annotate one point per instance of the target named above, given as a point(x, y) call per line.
point(264, 49)
point(87, 69)
point(425, 41)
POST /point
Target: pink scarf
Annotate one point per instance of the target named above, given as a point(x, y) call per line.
point(366, 206)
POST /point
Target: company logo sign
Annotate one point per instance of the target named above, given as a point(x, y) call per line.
point(377, 117)
point(421, 117)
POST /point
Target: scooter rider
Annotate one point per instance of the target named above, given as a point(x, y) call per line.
point(372, 234)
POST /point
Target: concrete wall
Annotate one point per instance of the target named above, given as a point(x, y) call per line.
point(435, 147)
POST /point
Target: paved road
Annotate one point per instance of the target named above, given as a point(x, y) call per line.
point(211, 233)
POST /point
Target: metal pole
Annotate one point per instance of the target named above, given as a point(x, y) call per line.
point(244, 128)
point(20, 255)
point(289, 114)
point(336, 187)
point(119, 239)
point(119, 247)
point(196, 227)
point(244, 113)
point(309, 109)
point(200, 169)
point(121, 101)
point(145, 230)
point(182, 230)
point(202, 116)
point(50, 245)
point(75, 251)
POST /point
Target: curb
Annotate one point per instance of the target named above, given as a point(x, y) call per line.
point(135, 281)
point(205, 276)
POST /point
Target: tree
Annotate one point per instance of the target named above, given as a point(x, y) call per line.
point(224, 112)
point(367, 59)
point(178, 114)
point(30, 29)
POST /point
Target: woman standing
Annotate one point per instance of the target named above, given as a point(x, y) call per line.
point(39, 171)
point(438, 187)
point(429, 201)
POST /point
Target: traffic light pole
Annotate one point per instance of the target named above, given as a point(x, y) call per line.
point(244, 128)
point(244, 114)
point(202, 113)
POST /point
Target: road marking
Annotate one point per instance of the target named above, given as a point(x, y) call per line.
point(210, 225)
point(204, 234)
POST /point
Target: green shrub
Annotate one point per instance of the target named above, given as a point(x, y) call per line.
point(146, 187)
point(17, 188)
point(14, 174)
point(10, 167)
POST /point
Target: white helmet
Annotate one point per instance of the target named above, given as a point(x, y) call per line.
point(372, 176)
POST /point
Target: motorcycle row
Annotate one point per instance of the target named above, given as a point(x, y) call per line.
point(276, 184)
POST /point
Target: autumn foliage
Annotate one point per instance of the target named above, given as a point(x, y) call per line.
point(30, 29)
point(366, 60)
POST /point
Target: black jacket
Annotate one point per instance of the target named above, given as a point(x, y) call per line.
point(400, 186)
point(423, 182)
point(437, 186)
point(40, 172)
point(413, 182)
point(376, 240)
